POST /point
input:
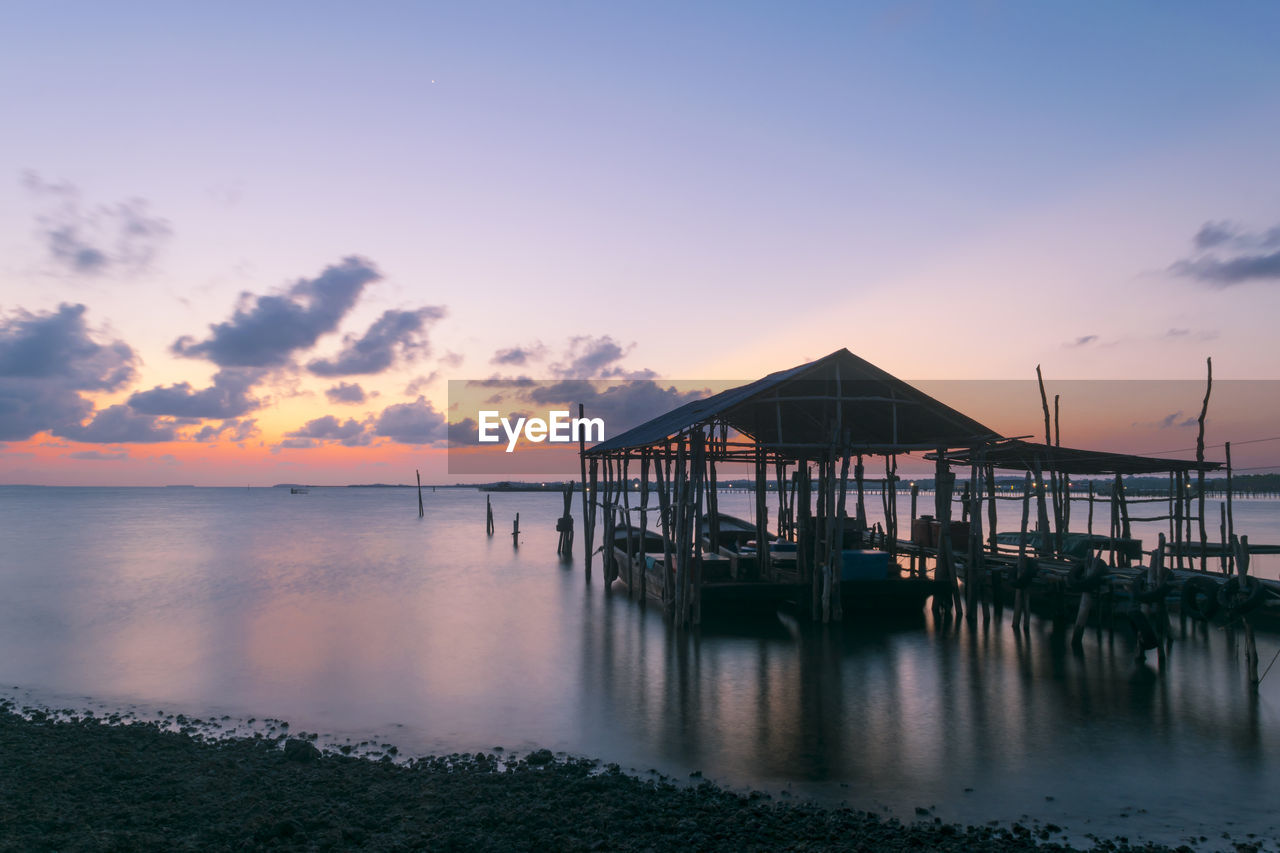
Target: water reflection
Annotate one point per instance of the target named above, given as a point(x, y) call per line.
point(344, 613)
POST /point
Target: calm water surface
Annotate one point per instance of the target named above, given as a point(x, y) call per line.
point(344, 613)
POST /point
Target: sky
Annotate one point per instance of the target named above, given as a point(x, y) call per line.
point(245, 243)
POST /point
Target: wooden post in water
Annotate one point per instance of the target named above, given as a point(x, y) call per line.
point(1045, 548)
point(1231, 522)
point(915, 552)
point(488, 516)
point(564, 546)
point(586, 493)
point(1092, 560)
point(1240, 545)
point(515, 532)
point(662, 476)
point(1222, 533)
point(699, 483)
point(1090, 527)
point(421, 511)
point(589, 522)
point(945, 480)
point(644, 524)
point(630, 549)
point(992, 543)
point(1125, 531)
point(1022, 596)
point(1157, 611)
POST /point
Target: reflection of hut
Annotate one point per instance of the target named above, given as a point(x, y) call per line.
point(809, 428)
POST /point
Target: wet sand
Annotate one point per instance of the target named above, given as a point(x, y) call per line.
point(73, 781)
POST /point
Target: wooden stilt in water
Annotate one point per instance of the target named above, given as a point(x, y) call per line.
point(1222, 533)
point(1022, 595)
point(586, 492)
point(1231, 522)
point(564, 525)
point(1086, 601)
point(421, 511)
point(515, 532)
point(662, 469)
point(488, 516)
point(1240, 545)
point(589, 522)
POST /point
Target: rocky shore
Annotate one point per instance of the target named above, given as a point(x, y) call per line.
point(72, 782)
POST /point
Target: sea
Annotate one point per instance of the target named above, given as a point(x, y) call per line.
point(344, 613)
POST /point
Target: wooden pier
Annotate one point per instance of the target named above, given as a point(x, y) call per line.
point(813, 434)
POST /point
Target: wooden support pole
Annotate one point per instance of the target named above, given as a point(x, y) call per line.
point(1090, 527)
point(1125, 531)
point(1045, 548)
point(633, 586)
point(1092, 561)
point(589, 522)
point(421, 512)
point(1222, 533)
point(488, 516)
point(644, 523)
point(681, 524)
point(993, 543)
point(564, 546)
point(515, 532)
point(700, 467)
point(587, 494)
point(1022, 596)
point(1240, 546)
point(662, 473)
point(1231, 521)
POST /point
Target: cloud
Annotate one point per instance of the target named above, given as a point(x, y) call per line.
point(394, 335)
point(98, 455)
point(1083, 341)
point(118, 424)
point(235, 431)
point(1251, 256)
point(518, 356)
point(265, 331)
point(1214, 234)
point(1235, 270)
point(411, 423)
point(1174, 420)
point(119, 238)
point(587, 357)
point(46, 360)
point(419, 384)
point(590, 358)
point(346, 392)
point(228, 397)
point(328, 428)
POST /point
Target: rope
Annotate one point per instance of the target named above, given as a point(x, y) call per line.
point(1268, 669)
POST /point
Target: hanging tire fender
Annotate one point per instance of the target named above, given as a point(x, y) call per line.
point(1199, 598)
point(1241, 597)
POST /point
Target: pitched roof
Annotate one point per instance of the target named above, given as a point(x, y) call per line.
point(1016, 454)
point(796, 413)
